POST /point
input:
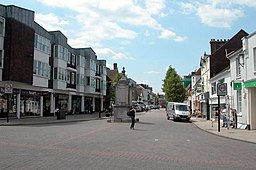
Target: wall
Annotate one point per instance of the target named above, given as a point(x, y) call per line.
point(19, 62)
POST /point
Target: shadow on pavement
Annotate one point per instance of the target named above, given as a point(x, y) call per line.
point(147, 123)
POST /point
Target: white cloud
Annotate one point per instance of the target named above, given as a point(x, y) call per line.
point(106, 20)
point(108, 53)
point(147, 33)
point(187, 8)
point(50, 22)
point(217, 13)
point(216, 17)
point(249, 3)
point(154, 6)
point(152, 72)
point(167, 34)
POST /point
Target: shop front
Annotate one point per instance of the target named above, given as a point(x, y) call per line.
point(22, 103)
point(12, 103)
point(88, 105)
point(61, 102)
point(76, 104)
point(31, 102)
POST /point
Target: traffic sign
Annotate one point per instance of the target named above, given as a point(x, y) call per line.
point(8, 89)
point(222, 89)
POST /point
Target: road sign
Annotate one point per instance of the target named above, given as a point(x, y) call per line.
point(222, 89)
point(8, 89)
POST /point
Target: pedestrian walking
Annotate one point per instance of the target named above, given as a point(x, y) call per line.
point(132, 115)
point(234, 114)
point(224, 117)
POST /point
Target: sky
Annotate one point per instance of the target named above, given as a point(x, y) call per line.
point(145, 37)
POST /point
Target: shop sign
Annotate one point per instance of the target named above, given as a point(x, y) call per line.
point(14, 91)
point(237, 86)
point(31, 93)
point(8, 89)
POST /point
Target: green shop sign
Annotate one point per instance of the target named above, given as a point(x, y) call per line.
point(237, 86)
point(250, 84)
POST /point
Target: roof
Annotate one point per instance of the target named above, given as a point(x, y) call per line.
point(112, 73)
point(218, 60)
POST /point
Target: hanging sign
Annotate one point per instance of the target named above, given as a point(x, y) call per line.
point(222, 89)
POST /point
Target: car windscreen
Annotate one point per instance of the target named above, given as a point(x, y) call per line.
point(182, 107)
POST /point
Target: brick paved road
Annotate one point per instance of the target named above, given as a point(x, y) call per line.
point(155, 144)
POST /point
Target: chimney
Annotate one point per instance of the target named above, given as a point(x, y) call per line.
point(115, 66)
point(216, 44)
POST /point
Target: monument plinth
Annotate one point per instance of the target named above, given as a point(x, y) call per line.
point(123, 99)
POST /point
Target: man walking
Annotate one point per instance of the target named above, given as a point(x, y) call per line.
point(132, 115)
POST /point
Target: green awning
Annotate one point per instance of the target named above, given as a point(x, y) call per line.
point(250, 84)
point(186, 80)
point(237, 86)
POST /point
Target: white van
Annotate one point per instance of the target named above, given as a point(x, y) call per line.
point(178, 111)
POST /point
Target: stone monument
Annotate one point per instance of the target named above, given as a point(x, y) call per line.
point(123, 99)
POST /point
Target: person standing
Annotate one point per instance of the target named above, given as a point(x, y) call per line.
point(132, 115)
point(224, 117)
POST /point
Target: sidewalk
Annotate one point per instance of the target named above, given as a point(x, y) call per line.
point(48, 120)
point(201, 123)
point(212, 127)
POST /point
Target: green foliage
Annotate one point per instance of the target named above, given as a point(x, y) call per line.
point(112, 86)
point(173, 86)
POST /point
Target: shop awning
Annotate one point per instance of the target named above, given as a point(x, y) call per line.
point(250, 84)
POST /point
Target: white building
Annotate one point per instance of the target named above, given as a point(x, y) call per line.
point(205, 76)
point(243, 70)
point(249, 48)
point(222, 77)
point(195, 89)
point(238, 92)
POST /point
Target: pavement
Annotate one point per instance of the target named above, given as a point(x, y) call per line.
point(201, 123)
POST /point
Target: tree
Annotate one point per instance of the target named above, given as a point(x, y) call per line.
point(117, 77)
point(173, 86)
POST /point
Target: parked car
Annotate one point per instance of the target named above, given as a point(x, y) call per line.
point(155, 106)
point(138, 108)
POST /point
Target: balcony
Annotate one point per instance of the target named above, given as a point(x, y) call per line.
point(71, 86)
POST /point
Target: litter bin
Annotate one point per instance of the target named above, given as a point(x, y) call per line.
point(61, 114)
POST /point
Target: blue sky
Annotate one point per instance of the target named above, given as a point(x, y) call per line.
point(145, 37)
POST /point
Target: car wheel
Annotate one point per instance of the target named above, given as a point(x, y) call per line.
point(168, 118)
point(173, 118)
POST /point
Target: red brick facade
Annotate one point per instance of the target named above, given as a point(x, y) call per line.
point(218, 60)
point(19, 52)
